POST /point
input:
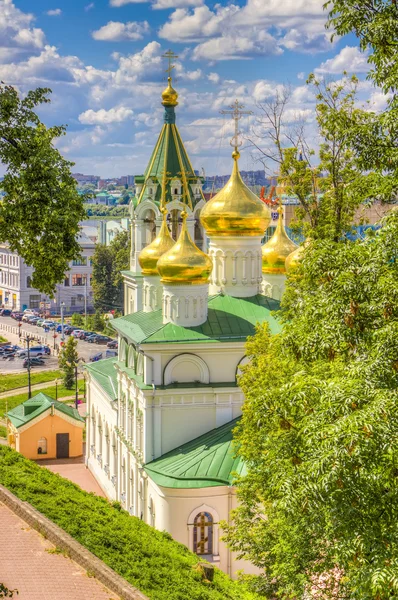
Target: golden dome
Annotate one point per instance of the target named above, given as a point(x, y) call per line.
point(277, 249)
point(169, 95)
point(149, 256)
point(235, 210)
point(295, 258)
point(184, 263)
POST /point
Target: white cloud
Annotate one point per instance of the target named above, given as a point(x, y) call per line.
point(228, 47)
point(118, 3)
point(301, 75)
point(54, 12)
point(47, 66)
point(199, 24)
point(115, 31)
point(16, 31)
point(214, 78)
point(104, 117)
point(349, 59)
point(89, 6)
point(160, 4)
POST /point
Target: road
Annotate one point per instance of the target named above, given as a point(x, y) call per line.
point(84, 349)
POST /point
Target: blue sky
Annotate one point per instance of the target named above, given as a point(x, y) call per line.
point(102, 59)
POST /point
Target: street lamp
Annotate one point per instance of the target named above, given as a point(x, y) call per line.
point(56, 389)
point(29, 339)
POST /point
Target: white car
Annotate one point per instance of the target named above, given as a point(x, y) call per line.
point(75, 332)
point(49, 324)
point(33, 352)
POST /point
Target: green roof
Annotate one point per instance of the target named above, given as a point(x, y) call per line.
point(207, 461)
point(229, 319)
point(32, 408)
point(103, 371)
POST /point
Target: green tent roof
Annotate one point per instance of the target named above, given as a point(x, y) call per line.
point(207, 461)
point(229, 319)
point(103, 371)
point(32, 408)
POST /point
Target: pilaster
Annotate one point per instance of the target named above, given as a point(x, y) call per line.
point(151, 293)
point(185, 305)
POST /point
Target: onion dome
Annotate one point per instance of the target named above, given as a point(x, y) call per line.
point(277, 249)
point(149, 256)
point(184, 263)
point(235, 210)
point(295, 258)
point(169, 95)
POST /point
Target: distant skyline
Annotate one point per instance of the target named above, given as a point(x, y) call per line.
point(102, 59)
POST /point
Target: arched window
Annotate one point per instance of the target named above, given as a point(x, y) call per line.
point(93, 433)
point(203, 533)
point(175, 191)
point(107, 449)
point(99, 433)
point(42, 446)
point(132, 500)
point(28, 281)
point(114, 453)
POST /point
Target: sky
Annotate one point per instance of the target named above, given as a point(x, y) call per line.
point(103, 61)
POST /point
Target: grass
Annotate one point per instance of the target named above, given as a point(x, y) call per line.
point(2, 339)
point(3, 431)
point(17, 380)
point(15, 399)
point(149, 559)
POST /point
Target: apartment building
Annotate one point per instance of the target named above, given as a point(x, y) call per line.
point(16, 291)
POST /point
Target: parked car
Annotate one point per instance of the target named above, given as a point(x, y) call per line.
point(47, 350)
point(34, 362)
point(96, 357)
point(9, 348)
point(68, 329)
point(32, 320)
point(40, 322)
point(112, 344)
point(5, 312)
point(16, 315)
point(34, 351)
point(48, 324)
point(101, 339)
point(86, 334)
point(76, 332)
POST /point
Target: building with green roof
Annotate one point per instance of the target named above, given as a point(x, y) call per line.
point(43, 428)
point(162, 414)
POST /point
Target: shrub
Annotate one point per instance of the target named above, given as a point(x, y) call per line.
point(157, 565)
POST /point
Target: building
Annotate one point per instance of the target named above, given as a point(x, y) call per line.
point(43, 428)
point(16, 291)
point(161, 414)
point(85, 179)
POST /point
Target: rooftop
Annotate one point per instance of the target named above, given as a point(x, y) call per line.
point(207, 461)
point(105, 374)
point(32, 408)
point(229, 319)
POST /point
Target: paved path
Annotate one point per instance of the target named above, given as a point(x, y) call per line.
point(28, 566)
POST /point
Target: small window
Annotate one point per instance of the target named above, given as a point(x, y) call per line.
point(28, 281)
point(66, 282)
point(176, 191)
point(42, 446)
point(203, 533)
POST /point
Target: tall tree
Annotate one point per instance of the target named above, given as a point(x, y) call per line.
point(108, 262)
point(319, 505)
point(67, 359)
point(40, 213)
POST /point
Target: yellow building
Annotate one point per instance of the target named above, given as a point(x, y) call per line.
point(43, 428)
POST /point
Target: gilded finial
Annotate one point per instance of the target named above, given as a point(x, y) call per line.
point(169, 95)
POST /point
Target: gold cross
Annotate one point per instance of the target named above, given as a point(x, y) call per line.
point(170, 56)
point(236, 114)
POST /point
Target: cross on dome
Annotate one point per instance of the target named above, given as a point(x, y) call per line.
point(236, 114)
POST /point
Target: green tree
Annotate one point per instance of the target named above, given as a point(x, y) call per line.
point(40, 213)
point(107, 281)
point(67, 358)
point(77, 320)
point(319, 504)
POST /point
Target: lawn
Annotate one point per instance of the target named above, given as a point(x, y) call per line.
point(17, 380)
point(2, 339)
point(15, 399)
point(149, 559)
point(3, 433)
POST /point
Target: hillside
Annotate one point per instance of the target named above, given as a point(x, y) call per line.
point(149, 559)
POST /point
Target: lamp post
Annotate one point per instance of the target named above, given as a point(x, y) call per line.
point(55, 337)
point(29, 339)
point(19, 329)
point(56, 389)
point(62, 321)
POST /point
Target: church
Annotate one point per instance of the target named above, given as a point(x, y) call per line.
point(161, 414)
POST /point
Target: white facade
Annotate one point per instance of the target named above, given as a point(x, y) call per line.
point(151, 413)
point(17, 293)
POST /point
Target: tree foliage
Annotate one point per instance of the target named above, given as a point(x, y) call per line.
point(40, 213)
point(319, 429)
point(108, 262)
point(67, 359)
